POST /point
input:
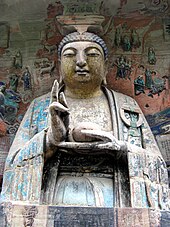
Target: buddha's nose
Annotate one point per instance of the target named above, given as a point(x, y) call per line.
point(81, 60)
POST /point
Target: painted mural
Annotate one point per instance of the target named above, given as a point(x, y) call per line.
point(139, 53)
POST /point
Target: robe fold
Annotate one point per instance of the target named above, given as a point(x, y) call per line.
point(23, 175)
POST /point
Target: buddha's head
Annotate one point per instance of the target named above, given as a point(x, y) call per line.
point(83, 60)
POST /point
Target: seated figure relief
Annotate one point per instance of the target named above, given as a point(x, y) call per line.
point(83, 144)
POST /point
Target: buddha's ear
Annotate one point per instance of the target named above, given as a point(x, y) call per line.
point(106, 65)
point(104, 82)
point(60, 73)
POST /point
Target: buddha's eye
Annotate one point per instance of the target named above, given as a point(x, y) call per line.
point(93, 53)
point(69, 53)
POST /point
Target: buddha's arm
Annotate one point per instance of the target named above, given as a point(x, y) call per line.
point(28, 142)
point(106, 143)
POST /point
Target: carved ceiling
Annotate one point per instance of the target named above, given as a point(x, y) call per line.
point(33, 10)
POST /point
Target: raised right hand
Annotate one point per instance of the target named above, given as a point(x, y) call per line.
point(59, 116)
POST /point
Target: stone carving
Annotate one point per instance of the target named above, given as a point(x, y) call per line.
point(154, 218)
point(157, 86)
point(148, 79)
point(164, 145)
point(135, 39)
point(78, 217)
point(4, 34)
point(29, 214)
point(139, 85)
point(2, 100)
point(124, 68)
point(2, 217)
point(133, 217)
point(9, 100)
point(77, 7)
point(13, 82)
point(17, 60)
point(152, 82)
point(76, 144)
point(12, 129)
point(55, 9)
point(156, 6)
point(26, 77)
point(8, 209)
point(151, 56)
point(118, 37)
point(44, 66)
point(126, 38)
point(166, 28)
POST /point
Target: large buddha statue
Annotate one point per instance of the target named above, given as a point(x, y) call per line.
point(83, 144)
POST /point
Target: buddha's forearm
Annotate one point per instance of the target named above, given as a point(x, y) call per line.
point(49, 147)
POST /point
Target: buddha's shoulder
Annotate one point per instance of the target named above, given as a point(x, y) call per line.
point(41, 101)
point(42, 98)
point(122, 98)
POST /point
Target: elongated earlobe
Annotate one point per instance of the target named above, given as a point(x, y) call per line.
point(104, 82)
point(60, 75)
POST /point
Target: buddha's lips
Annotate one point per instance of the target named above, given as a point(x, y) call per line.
point(81, 72)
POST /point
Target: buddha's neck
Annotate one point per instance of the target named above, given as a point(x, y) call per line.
point(83, 93)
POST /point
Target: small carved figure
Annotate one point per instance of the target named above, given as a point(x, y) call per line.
point(120, 68)
point(59, 8)
point(139, 85)
point(26, 77)
point(9, 104)
point(123, 68)
point(126, 43)
point(17, 61)
point(164, 6)
point(118, 37)
point(135, 39)
point(157, 86)
point(151, 56)
point(13, 82)
point(48, 67)
point(148, 79)
point(128, 68)
point(44, 66)
point(2, 100)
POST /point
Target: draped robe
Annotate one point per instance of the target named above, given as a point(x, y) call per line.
point(147, 183)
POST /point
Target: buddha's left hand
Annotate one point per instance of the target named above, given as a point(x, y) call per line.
point(106, 143)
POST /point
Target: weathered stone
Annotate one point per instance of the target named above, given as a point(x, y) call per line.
point(165, 219)
point(154, 218)
point(127, 217)
point(4, 34)
point(56, 216)
point(3, 222)
point(58, 158)
point(80, 216)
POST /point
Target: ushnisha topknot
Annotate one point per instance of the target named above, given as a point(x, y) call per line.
point(86, 36)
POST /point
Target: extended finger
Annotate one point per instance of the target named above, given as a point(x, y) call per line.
point(54, 92)
point(62, 99)
point(58, 106)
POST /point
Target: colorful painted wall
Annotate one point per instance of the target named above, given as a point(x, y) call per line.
point(138, 37)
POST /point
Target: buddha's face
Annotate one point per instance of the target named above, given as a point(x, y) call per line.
point(82, 63)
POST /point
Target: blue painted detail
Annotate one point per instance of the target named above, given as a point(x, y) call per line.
point(158, 121)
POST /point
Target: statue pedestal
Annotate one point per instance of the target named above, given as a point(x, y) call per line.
point(54, 216)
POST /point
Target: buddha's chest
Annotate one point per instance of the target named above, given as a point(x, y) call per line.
point(91, 110)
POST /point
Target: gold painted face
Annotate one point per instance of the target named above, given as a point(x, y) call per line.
point(82, 63)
